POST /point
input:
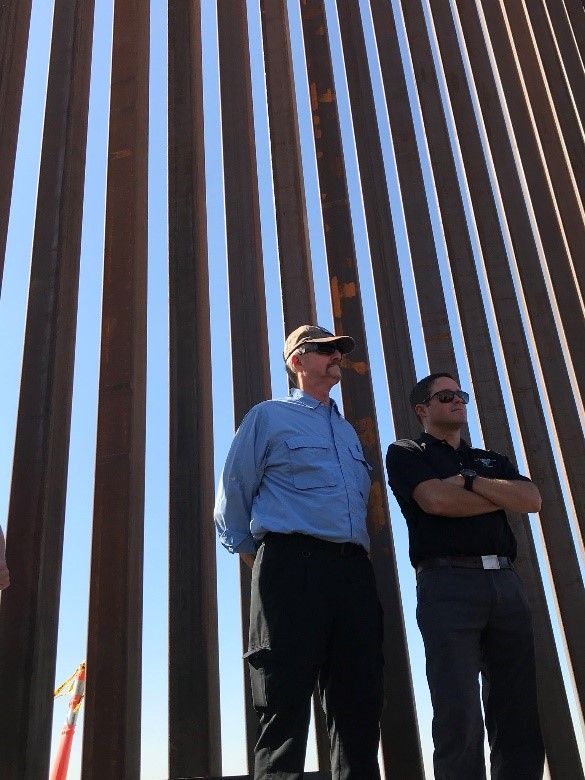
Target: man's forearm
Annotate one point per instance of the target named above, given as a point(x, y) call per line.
point(514, 495)
point(445, 497)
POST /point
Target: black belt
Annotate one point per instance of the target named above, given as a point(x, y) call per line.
point(467, 562)
point(308, 543)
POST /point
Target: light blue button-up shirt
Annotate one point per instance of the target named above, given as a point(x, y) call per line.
point(295, 466)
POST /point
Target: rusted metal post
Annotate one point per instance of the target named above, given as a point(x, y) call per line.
point(400, 742)
point(576, 13)
point(250, 364)
point(111, 738)
point(568, 51)
point(194, 717)
point(398, 355)
point(562, 752)
point(14, 27)
point(555, 249)
point(457, 239)
point(533, 20)
point(29, 611)
point(298, 296)
point(560, 134)
point(433, 309)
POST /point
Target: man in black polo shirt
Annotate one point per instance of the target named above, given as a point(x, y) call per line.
point(471, 610)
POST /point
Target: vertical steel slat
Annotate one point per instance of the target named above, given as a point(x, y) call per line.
point(29, 612)
point(558, 84)
point(575, 10)
point(433, 310)
point(244, 244)
point(194, 716)
point(555, 257)
point(560, 739)
point(111, 738)
point(400, 743)
point(568, 52)
point(14, 27)
point(549, 103)
point(250, 364)
point(398, 355)
point(298, 295)
point(460, 254)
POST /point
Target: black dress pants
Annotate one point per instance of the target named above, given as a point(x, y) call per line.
point(315, 617)
point(473, 622)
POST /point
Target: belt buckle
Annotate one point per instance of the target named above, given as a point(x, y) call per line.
point(490, 562)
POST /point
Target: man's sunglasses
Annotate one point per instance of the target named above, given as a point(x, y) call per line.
point(446, 396)
point(328, 348)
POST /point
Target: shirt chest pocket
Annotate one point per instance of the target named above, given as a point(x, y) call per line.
point(362, 469)
point(312, 462)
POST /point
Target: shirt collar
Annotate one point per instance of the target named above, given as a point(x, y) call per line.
point(307, 400)
point(427, 438)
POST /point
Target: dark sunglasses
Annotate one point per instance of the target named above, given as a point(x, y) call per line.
point(328, 348)
point(445, 396)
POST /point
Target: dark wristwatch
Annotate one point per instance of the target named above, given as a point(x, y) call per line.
point(468, 475)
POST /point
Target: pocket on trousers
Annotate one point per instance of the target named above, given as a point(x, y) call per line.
point(257, 677)
point(426, 586)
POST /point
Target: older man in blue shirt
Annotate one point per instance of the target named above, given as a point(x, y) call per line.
point(292, 501)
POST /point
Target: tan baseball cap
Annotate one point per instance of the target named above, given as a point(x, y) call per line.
point(316, 335)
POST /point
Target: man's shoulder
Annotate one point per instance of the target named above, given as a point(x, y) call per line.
point(404, 452)
point(271, 408)
point(286, 402)
point(255, 415)
point(268, 404)
point(412, 445)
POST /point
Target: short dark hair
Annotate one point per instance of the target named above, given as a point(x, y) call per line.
point(422, 390)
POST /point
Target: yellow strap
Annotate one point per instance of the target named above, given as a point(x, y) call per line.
point(60, 691)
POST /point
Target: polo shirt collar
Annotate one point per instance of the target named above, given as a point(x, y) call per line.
point(427, 438)
point(308, 400)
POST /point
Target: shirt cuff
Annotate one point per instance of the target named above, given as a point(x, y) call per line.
point(238, 543)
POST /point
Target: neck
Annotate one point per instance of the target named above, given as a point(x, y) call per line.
point(319, 393)
point(451, 435)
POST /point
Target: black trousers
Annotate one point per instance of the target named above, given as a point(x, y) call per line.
point(315, 617)
point(473, 622)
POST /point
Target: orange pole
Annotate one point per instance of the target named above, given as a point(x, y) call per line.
point(61, 765)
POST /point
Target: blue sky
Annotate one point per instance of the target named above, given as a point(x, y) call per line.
point(74, 599)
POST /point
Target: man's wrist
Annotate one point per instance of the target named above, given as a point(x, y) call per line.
point(469, 476)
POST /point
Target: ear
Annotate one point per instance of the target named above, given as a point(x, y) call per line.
point(295, 362)
point(421, 411)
